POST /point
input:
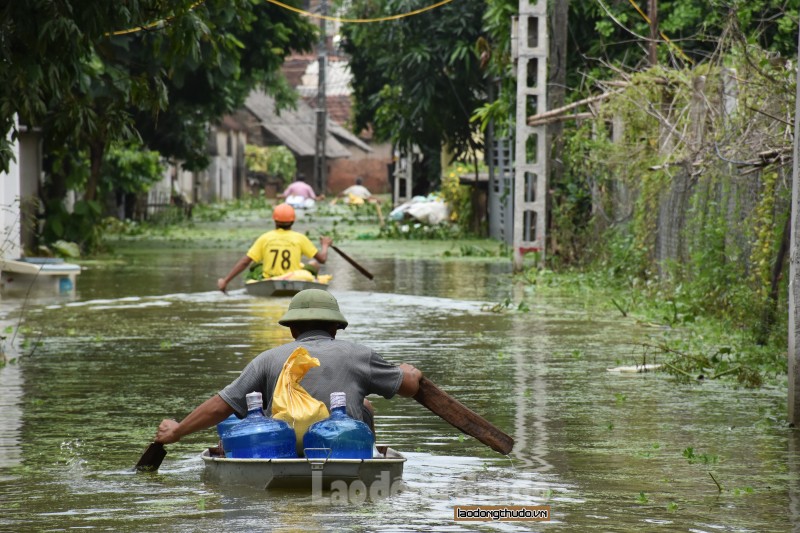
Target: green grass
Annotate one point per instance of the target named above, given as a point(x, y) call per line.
point(693, 343)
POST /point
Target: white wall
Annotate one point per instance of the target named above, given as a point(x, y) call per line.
point(220, 174)
point(11, 245)
point(216, 183)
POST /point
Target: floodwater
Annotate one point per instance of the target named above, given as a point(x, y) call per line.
point(149, 338)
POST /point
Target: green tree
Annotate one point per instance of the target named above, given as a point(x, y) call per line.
point(276, 161)
point(86, 85)
point(608, 35)
point(51, 52)
point(257, 40)
point(127, 171)
point(612, 32)
point(417, 80)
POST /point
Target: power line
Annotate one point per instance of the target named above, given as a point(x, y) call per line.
point(663, 36)
point(377, 19)
point(151, 24)
point(642, 37)
point(164, 21)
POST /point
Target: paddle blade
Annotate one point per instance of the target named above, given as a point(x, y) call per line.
point(463, 418)
point(151, 458)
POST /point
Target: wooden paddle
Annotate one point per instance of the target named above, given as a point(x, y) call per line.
point(352, 262)
point(461, 417)
point(151, 458)
point(380, 214)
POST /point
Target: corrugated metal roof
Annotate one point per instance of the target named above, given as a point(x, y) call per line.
point(348, 136)
point(301, 139)
point(296, 128)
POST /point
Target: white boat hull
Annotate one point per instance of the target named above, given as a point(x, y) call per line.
point(313, 474)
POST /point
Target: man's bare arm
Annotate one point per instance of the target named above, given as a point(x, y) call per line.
point(410, 384)
point(322, 255)
point(243, 263)
point(209, 413)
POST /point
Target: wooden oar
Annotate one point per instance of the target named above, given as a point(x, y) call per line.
point(461, 417)
point(151, 458)
point(380, 215)
point(353, 262)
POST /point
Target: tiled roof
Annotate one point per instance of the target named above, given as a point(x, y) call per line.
point(339, 107)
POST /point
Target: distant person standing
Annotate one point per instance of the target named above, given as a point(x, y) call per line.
point(300, 194)
point(280, 250)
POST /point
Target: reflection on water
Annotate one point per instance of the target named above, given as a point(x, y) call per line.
point(149, 338)
point(10, 394)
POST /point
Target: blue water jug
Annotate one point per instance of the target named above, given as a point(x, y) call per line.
point(339, 436)
point(226, 424)
point(257, 436)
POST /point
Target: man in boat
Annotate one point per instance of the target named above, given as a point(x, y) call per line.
point(357, 194)
point(314, 319)
point(281, 250)
point(300, 194)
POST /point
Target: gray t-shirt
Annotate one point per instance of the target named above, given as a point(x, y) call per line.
point(344, 367)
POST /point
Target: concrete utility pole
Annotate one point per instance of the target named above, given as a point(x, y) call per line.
point(320, 162)
point(794, 273)
point(530, 144)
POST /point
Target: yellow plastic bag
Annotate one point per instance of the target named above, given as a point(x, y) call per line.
point(354, 200)
point(291, 402)
point(299, 275)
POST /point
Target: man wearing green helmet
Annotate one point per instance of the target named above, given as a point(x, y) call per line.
point(314, 319)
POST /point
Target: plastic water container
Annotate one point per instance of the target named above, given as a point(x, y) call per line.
point(227, 424)
point(339, 436)
point(259, 437)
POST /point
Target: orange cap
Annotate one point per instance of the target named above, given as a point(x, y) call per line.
point(283, 213)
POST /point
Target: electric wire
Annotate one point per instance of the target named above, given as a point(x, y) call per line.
point(642, 37)
point(358, 20)
point(150, 25)
point(163, 22)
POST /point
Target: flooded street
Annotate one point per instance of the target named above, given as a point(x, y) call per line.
point(147, 338)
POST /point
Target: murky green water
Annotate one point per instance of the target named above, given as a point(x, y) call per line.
point(147, 338)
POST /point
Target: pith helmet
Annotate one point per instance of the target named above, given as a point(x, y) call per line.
point(283, 213)
point(313, 304)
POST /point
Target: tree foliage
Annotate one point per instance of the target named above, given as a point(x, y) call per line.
point(255, 40)
point(129, 169)
point(52, 54)
point(609, 36)
point(613, 33)
point(69, 71)
point(85, 87)
point(276, 161)
point(417, 80)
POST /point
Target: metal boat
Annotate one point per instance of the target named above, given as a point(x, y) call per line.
point(382, 473)
point(281, 287)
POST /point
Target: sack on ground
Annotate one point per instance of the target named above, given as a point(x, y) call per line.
point(291, 402)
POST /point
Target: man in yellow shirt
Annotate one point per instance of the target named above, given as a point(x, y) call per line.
point(280, 250)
